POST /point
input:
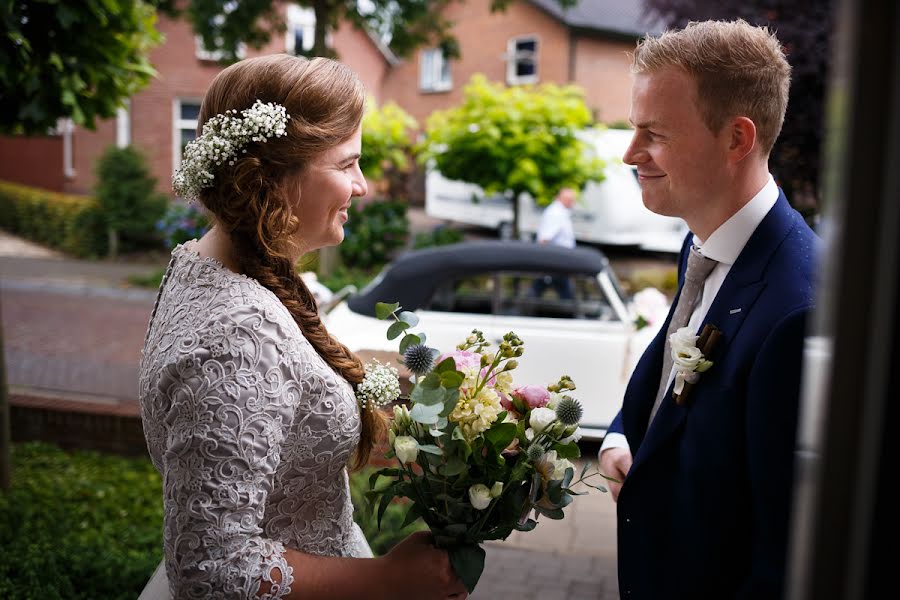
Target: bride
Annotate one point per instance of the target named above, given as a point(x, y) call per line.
point(247, 402)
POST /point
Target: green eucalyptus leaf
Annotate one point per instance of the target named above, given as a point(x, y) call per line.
point(396, 329)
point(384, 310)
point(408, 340)
point(527, 525)
point(427, 414)
point(431, 449)
point(409, 318)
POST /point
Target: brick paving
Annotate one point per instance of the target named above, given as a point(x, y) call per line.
point(72, 336)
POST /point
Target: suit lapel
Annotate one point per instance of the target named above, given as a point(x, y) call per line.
point(732, 303)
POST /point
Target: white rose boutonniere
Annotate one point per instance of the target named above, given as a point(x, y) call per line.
point(688, 359)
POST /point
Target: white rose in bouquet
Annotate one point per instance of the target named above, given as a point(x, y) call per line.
point(540, 418)
point(407, 448)
point(480, 496)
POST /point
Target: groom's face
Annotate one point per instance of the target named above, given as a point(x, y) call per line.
point(680, 162)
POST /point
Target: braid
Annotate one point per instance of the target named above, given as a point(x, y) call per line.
point(277, 274)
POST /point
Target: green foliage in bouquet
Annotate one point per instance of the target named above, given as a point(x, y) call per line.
point(475, 455)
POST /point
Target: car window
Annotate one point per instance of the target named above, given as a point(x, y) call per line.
point(524, 294)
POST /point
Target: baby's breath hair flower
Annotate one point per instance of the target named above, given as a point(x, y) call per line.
point(379, 387)
point(222, 138)
point(569, 411)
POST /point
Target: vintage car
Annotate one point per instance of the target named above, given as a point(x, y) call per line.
point(501, 286)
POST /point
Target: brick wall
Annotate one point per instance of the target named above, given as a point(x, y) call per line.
point(602, 69)
point(181, 75)
point(356, 50)
point(599, 66)
point(36, 161)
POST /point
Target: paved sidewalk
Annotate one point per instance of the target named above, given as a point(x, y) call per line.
point(73, 332)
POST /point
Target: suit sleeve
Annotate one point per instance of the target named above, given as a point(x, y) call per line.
point(772, 407)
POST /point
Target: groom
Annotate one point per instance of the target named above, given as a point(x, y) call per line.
point(704, 507)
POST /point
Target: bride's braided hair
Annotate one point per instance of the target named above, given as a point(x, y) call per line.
point(254, 199)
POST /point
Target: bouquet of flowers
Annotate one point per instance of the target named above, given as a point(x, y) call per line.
point(476, 455)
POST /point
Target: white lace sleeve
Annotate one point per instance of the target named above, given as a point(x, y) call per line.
point(229, 405)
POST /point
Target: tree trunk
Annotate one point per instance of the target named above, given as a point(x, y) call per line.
point(328, 260)
point(324, 11)
point(112, 247)
point(5, 427)
point(515, 224)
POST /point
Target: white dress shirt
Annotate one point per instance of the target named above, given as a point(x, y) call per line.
point(556, 226)
point(724, 246)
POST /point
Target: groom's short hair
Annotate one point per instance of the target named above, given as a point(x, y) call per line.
point(740, 70)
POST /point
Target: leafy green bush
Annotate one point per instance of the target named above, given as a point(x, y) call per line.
point(383, 539)
point(373, 233)
point(439, 236)
point(85, 525)
point(129, 203)
point(69, 223)
point(79, 525)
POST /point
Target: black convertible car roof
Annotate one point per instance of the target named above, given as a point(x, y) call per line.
point(413, 276)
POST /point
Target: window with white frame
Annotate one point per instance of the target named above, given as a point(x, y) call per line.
point(522, 60)
point(434, 71)
point(301, 30)
point(186, 113)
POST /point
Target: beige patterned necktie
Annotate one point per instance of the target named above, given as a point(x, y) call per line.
point(698, 269)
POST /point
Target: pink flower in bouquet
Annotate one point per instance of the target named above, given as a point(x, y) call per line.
point(463, 359)
point(534, 396)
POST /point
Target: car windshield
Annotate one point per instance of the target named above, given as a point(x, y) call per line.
point(524, 294)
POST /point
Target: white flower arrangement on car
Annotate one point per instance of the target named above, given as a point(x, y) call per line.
point(476, 455)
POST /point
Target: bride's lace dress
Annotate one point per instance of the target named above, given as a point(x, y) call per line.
point(251, 431)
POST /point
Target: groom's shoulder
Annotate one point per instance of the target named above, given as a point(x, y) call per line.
point(794, 266)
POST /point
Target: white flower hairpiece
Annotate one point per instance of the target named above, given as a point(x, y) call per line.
point(223, 137)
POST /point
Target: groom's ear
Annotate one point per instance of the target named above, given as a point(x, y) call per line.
point(742, 133)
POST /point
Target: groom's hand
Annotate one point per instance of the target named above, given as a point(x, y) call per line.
point(615, 464)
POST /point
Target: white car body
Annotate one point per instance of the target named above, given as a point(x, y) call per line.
point(609, 212)
point(599, 355)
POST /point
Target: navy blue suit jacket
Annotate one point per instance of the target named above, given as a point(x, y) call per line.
point(705, 510)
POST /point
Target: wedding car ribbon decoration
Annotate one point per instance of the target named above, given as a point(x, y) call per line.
point(689, 357)
point(224, 136)
point(476, 455)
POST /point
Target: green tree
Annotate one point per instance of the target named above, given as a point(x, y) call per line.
point(514, 140)
point(386, 139)
point(126, 192)
point(225, 24)
point(71, 59)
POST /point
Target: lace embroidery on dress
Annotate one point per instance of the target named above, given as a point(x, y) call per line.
point(251, 430)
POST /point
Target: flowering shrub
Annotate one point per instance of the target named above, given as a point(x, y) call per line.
point(476, 455)
point(181, 223)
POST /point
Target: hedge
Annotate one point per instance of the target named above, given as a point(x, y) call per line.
point(69, 223)
point(85, 525)
point(80, 525)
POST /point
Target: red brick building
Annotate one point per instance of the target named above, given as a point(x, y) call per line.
point(534, 41)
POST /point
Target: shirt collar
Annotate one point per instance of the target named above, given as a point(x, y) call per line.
point(725, 243)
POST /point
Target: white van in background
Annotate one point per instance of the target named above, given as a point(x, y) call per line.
point(610, 212)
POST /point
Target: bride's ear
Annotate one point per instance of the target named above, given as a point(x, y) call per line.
point(742, 134)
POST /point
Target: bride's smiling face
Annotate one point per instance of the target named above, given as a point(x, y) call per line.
point(326, 187)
